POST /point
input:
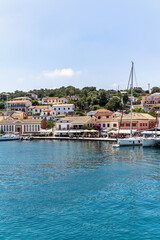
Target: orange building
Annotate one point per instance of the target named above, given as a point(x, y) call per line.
point(140, 121)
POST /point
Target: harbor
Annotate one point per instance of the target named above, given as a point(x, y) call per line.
point(78, 188)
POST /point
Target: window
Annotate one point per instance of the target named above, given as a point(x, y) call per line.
point(68, 108)
point(108, 125)
point(134, 124)
point(35, 128)
point(127, 124)
point(103, 124)
point(32, 128)
point(64, 109)
point(58, 108)
point(114, 125)
point(122, 124)
point(54, 108)
point(141, 124)
point(27, 128)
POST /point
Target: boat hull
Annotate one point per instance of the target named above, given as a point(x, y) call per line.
point(151, 142)
point(148, 142)
point(129, 142)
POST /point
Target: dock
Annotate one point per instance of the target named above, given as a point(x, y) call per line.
point(74, 138)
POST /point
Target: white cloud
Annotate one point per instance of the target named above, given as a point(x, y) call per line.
point(65, 72)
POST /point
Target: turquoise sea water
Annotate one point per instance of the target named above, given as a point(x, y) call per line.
point(78, 190)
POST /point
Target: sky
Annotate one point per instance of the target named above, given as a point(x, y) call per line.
point(54, 43)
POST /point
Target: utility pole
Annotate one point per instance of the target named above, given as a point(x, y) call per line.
point(149, 87)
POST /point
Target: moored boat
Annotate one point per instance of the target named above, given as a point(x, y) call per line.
point(9, 137)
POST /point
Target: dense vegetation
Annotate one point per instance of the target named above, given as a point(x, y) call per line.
point(90, 97)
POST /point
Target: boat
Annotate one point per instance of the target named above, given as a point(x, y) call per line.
point(131, 141)
point(154, 140)
point(9, 137)
point(28, 138)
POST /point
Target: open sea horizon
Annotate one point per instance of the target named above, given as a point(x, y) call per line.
point(78, 190)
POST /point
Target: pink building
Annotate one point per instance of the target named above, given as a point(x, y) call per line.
point(151, 100)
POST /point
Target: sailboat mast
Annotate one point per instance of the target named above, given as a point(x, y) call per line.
point(131, 96)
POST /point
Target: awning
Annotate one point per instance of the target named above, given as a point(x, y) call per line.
point(61, 131)
point(150, 132)
point(123, 131)
point(76, 131)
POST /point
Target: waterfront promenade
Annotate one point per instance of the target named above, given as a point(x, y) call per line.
point(74, 138)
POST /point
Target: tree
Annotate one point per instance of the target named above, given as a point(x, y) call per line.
point(155, 89)
point(49, 124)
point(152, 112)
point(35, 103)
point(114, 104)
point(103, 98)
point(2, 105)
point(140, 110)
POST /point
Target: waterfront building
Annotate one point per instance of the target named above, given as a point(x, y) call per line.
point(79, 122)
point(140, 121)
point(64, 123)
point(104, 123)
point(108, 123)
point(25, 126)
point(19, 105)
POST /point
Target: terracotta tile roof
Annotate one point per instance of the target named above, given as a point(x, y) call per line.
point(5, 122)
point(48, 110)
point(61, 115)
point(41, 107)
point(19, 101)
point(103, 112)
point(50, 98)
point(63, 105)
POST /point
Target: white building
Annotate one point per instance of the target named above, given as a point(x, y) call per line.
point(37, 109)
point(64, 108)
point(64, 123)
point(33, 95)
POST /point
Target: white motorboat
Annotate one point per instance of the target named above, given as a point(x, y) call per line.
point(9, 137)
